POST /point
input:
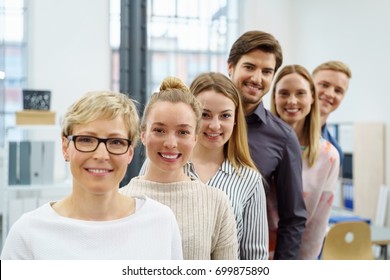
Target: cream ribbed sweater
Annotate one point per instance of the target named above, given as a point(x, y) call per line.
point(204, 215)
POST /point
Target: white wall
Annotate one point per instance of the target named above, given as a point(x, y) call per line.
point(68, 50)
point(354, 31)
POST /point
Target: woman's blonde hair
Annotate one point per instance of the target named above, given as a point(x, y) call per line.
point(99, 105)
point(173, 90)
point(311, 129)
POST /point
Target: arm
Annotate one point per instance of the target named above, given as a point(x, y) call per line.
point(226, 246)
point(177, 250)
point(315, 231)
point(254, 244)
point(16, 246)
point(291, 206)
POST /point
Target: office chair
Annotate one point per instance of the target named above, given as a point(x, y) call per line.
point(348, 241)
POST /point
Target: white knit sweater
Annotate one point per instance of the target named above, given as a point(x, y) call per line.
point(151, 233)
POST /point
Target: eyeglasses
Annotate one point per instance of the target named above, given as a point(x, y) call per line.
point(86, 144)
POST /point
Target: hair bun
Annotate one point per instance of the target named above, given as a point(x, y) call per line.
point(173, 83)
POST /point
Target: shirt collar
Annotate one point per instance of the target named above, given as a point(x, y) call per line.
point(257, 114)
point(227, 167)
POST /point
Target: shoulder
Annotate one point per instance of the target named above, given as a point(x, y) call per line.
point(28, 219)
point(248, 175)
point(152, 205)
point(130, 188)
point(209, 192)
point(329, 151)
point(279, 128)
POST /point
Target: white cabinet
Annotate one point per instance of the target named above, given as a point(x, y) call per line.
point(33, 170)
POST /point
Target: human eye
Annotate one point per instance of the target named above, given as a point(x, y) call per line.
point(324, 85)
point(205, 115)
point(283, 93)
point(248, 67)
point(339, 92)
point(226, 116)
point(158, 130)
point(268, 72)
point(85, 139)
point(184, 132)
point(117, 142)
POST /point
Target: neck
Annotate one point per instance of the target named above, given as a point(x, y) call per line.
point(95, 207)
point(298, 128)
point(323, 119)
point(203, 155)
point(161, 176)
point(249, 108)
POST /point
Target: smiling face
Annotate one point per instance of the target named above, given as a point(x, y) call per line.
point(293, 99)
point(217, 119)
point(331, 87)
point(97, 172)
point(252, 75)
point(169, 138)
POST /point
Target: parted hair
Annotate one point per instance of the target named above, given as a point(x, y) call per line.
point(173, 90)
point(237, 148)
point(252, 40)
point(106, 105)
point(312, 127)
point(334, 65)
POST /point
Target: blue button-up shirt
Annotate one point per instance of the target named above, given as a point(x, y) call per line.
point(327, 136)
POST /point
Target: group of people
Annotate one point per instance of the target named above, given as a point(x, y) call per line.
point(224, 177)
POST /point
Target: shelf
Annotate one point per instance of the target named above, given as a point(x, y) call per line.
point(43, 159)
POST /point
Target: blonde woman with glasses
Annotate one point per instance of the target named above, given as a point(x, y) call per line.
point(94, 221)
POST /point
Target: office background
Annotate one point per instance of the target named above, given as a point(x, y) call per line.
point(69, 51)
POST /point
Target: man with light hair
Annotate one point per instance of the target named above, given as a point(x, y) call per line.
point(331, 80)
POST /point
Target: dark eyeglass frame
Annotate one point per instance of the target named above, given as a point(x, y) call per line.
point(99, 140)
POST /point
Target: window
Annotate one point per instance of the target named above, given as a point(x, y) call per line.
point(185, 38)
point(12, 60)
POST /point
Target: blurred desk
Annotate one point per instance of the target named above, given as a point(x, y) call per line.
point(381, 236)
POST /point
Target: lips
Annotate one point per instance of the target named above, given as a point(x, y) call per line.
point(212, 135)
point(253, 87)
point(292, 110)
point(170, 156)
point(98, 170)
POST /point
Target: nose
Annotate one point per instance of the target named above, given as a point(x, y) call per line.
point(170, 141)
point(257, 76)
point(101, 152)
point(292, 99)
point(329, 92)
point(215, 124)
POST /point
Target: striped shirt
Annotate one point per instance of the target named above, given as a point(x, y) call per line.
point(247, 197)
